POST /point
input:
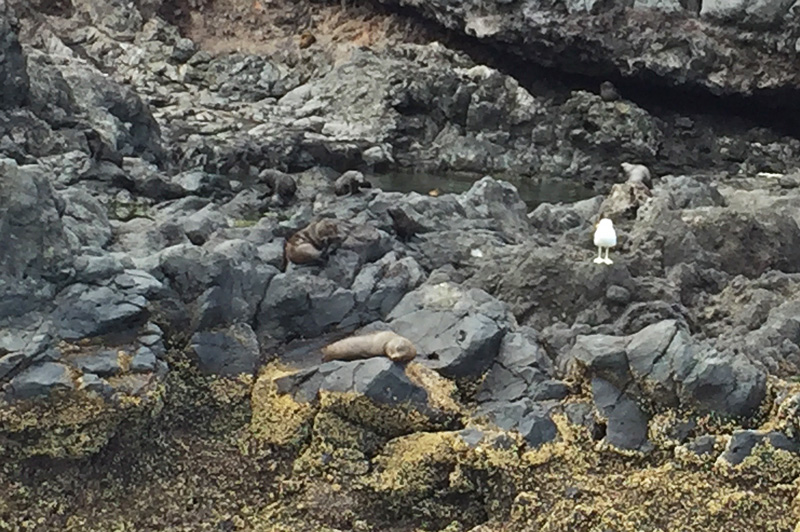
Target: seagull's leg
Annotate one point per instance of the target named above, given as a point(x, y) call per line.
point(607, 260)
point(599, 258)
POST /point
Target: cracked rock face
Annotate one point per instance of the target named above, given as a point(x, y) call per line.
point(661, 367)
point(667, 368)
point(647, 40)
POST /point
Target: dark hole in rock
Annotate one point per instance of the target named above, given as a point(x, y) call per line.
point(598, 431)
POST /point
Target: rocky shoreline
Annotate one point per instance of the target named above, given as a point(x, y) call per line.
point(159, 369)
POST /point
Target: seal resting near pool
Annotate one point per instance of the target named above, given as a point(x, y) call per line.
point(386, 343)
point(637, 173)
point(350, 183)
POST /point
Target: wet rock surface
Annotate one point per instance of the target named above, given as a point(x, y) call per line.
point(150, 332)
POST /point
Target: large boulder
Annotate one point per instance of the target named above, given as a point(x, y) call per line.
point(664, 366)
point(37, 254)
point(456, 331)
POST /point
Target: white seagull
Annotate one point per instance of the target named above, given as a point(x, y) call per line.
point(604, 237)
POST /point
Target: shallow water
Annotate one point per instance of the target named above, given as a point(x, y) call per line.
point(532, 191)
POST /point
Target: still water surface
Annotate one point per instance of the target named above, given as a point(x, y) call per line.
point(533, 192)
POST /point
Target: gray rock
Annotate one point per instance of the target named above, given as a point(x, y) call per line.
point(369, 243)
point(138, 282)
point(199, 225)
point(742, 443)
point(343, 266)
point(775, 342)
point(252, 78)
point(505, 414)
point(727, 383)
point(13, 68)
point(143, 361)
point(228, 352)
point(298, 304)
point(521, 348)
point(556, 219)
point(35, 248)
point(118, 16)
point(471, 436)
point(619, 41)
point(537, 428)
point(378, 378)
point(105, 363)
point(94, 384)
point(546, 390)
point(685, 192)
point(752, 13)
point(50, 97)
point(196, 182)
point(604, 356)
point(91, 269)
point(582, 414)
point(501, 384)
point(184, 50)
point(539, 283)
point(626, 423)
point(40, 380)
point(383, 284)
point(85, 311)
point(522, 370)
point(669, 6)
point(85, 219)
point(10, 362)
point(618, 294)
point(456, 331)
point(669, 368)
point(114, 111)
point(498, 201)
point(702, 445)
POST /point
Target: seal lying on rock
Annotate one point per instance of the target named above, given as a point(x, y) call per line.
point(637, 173)
point(310, 243)
point(350, 182)
point(280, 184)
point(388, 343)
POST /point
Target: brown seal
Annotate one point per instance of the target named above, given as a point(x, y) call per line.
point(310, 243)
point(387, 343)
point(608, 92)
point(276, 182)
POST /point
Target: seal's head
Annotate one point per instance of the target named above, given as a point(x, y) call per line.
point(327, 230)
point(400, 349)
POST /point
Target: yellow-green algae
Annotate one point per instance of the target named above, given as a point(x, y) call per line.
point(277, 418)
point(226, 454)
